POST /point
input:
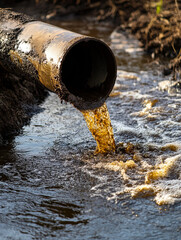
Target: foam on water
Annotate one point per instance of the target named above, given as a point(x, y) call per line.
point(53, 186)
point(147, 129)
point(140, 179)
point(152, 169)
point(149, 118)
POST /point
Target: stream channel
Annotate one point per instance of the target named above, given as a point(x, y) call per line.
point(52, 186)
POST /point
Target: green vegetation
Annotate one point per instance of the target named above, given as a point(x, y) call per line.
point(159, 7)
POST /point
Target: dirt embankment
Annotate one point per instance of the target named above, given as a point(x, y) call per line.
point(18, 101)
point(157, 24)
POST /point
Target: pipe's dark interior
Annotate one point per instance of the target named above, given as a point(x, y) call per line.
point(89, 70)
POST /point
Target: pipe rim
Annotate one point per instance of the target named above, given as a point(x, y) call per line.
point(82, 102)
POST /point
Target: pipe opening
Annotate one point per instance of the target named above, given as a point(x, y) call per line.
point(89, 70)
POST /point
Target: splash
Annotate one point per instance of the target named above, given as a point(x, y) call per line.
point(161, 170)
point(99, 124)
point(143, 177)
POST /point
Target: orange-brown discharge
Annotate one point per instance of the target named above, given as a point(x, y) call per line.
point(99, 124)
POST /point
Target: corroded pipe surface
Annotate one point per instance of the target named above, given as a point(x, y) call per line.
point(80, 69)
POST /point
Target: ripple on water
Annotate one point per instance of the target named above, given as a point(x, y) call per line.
point(140, 113)
point(53, 185)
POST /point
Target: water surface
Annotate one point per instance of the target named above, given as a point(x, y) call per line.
point(52, 186)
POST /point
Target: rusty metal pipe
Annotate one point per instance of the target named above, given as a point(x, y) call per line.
point(80, 69)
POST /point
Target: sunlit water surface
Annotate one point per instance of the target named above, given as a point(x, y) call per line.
point(52, 186)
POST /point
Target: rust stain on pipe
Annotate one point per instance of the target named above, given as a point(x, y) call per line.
point(80, 69)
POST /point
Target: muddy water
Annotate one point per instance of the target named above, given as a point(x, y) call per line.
point(52, 186)
point(99, 124)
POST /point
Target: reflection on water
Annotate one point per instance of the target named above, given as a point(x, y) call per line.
point(52, 186)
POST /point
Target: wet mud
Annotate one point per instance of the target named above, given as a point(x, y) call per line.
point(18, 95)
point(18, 102)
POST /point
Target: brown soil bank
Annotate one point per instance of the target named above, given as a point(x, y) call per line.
point(157, 24)
point(18, 98)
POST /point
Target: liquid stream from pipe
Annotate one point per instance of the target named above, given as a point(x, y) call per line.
point(99, 124)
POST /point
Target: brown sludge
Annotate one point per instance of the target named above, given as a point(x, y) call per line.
point(99, 124)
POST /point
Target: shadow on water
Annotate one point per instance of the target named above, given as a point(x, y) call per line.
point(52, 186)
